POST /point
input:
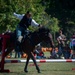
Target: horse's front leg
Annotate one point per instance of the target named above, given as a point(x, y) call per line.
point(34, 60)
point(25, 69)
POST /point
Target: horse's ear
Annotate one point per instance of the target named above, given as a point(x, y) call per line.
point(40, 29)
point(47, 29)
point(44, 29)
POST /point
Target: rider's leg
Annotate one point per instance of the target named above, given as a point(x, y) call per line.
point(19, 39)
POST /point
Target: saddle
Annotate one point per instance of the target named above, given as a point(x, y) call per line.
point(26, 34)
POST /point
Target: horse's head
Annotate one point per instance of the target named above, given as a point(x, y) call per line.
point(42, 34)
point(45, 35)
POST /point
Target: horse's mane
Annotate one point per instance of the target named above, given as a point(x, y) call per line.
point(40, 33)
point(42, 30)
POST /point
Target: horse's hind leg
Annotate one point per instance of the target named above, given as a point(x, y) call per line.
point(8, 51)
point(25, 69)
point(32, 57)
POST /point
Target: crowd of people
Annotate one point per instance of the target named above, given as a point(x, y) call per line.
point(65, 50)
point(62, 50)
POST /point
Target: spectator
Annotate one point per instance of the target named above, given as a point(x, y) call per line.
point(39, 52)
point(67, 52)
point(54, 54)
point(71, 54)
point(17, 53)
point(72, 43)
point(61, 39)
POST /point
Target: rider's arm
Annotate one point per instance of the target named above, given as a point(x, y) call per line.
point(58, 40)
point(64, 38)
point(19, 16)
point(34, 23)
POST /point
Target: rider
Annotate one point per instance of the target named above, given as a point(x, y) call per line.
point(25, 21)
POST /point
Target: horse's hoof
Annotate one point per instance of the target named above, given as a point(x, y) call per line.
point(39, 72)
point(25, 70)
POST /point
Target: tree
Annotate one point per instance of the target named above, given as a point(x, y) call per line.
point(64, 11)
point(8, 7)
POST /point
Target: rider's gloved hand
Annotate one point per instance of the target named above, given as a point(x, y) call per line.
point(40, 25)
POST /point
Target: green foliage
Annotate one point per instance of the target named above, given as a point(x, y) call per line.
point(53, 14)
point(8, 7)
point(64, 11)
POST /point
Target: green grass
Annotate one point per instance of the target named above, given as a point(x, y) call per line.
point(46, 69)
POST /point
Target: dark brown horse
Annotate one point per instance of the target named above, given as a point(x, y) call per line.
point(28, 44)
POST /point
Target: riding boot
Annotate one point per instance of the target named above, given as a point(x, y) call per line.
point(17, 49)
point(18, 46)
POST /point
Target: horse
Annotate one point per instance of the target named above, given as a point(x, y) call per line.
point(29, 43)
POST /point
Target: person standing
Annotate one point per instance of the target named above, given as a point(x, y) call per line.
point(72, 43)
point(61, 39)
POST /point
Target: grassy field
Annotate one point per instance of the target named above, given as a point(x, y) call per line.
point(46, 69)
